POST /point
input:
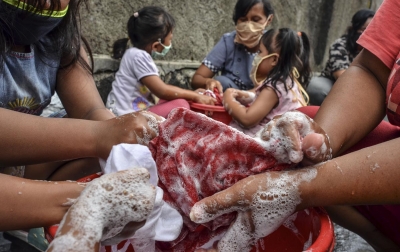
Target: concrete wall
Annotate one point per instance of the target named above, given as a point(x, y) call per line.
point(200, 23)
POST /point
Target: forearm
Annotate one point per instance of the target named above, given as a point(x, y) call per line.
point(238, 112)
point(99, 114)
point(27, 139)
point(46, 201)
point(198, 81)
point(368, 176)
point(79, 95)
point(170, 92)
point(355, 105)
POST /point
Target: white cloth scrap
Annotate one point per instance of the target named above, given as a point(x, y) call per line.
point(164, 223)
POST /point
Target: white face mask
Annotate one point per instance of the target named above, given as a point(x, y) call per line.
point(249, 33)
point(256, 63)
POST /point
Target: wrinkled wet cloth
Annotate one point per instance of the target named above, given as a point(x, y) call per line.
point(164, 223)
point(197, 157)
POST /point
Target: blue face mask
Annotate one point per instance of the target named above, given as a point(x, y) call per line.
point(155, 54)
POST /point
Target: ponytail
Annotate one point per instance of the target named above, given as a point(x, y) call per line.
point(305, 70)
point(119, 48)
point(294, 58)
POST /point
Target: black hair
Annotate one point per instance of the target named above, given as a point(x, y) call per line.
point(352, 34)
point(145, 27)
point(242, 7)
point(65, 39)
point(294, 52)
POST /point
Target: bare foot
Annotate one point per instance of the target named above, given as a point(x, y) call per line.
point(108, 208)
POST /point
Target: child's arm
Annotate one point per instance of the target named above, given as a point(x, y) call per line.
point(79, 95)
point(169, 92)
point(250, 116)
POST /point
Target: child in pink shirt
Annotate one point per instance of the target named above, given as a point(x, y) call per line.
point(280, 73)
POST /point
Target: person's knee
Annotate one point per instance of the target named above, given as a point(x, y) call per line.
point(318, 89)
point(182, 103)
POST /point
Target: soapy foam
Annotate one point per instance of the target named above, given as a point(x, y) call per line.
point(270, 205)
point(289, 223)
point(148, 130)
point(246, 99)
point(276, 142)
point(308, 243)
point(106, 205)
point(374, 167)
point(69, 202)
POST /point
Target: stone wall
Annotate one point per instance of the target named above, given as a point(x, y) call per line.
point(201, 23)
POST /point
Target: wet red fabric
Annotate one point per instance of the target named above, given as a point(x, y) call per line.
point(197, 157)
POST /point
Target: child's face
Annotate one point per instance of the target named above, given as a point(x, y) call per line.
point(267, 64)
point(255, 14)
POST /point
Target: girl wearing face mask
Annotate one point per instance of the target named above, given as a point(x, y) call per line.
point(42, 52)
point(280, 72)
point(234, 53)
point(150, 33)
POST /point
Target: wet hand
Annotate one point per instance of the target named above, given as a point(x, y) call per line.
point(294, 137)
point(205, 99)
point(263, 202)
point(110, 209)
point(211, 84)
point(133, 128)
point(243, 97)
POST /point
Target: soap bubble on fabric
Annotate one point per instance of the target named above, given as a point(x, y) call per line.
point(107, 203)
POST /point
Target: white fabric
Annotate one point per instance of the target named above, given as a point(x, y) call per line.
point(164, 223)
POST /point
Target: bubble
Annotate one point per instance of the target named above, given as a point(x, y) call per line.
point(95, 210)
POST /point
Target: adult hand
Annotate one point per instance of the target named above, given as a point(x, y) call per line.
point(110, 209)
point(294, 137)
point(211, 84)
point(204, 99)
point(133, 128)
point(263, 202)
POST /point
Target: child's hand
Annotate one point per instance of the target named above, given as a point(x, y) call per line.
point(295, 137)
point(245, 97)
point(133, 128)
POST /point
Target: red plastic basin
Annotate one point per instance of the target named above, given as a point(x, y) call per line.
point(217, 113)
point(312, 232)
